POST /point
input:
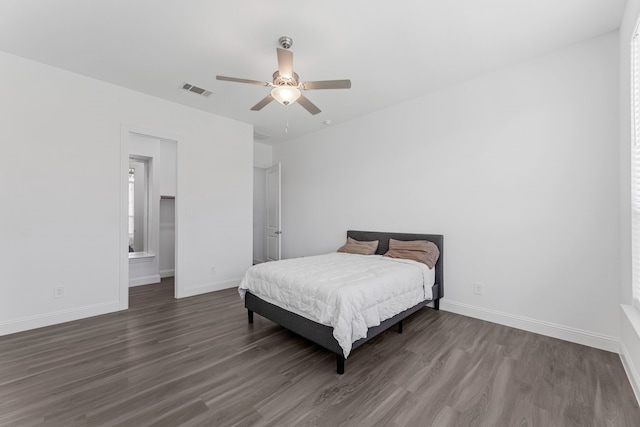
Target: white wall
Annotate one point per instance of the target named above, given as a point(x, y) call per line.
point(168, 159)
point(518, 169)
point(262, 155)
point(61, 183)
point(630, 336)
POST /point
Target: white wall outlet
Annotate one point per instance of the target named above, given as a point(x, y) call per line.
point(478, 288)
point(58, 291)
point(213, 270)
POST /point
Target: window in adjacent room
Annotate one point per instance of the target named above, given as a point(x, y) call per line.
point(138, 204)
point(132, 204)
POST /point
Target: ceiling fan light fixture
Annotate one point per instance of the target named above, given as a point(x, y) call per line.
point(286, 95)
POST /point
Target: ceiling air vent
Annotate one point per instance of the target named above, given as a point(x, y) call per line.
point(257, 136)
point(196, 89)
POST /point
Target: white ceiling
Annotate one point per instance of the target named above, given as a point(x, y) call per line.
point(391, 50)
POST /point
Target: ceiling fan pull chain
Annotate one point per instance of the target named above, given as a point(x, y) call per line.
point(286, 118)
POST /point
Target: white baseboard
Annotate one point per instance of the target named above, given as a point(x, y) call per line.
point(565, 333)
point(144, 280)
point(210, 287)
point(630, 369)
point(167, 273)
point(39, 321)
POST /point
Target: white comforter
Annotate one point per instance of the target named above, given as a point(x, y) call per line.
point(349, 292)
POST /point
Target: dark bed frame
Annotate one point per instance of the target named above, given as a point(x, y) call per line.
point(322, 334)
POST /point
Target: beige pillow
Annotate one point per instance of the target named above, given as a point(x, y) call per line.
point(361, 248)
point(418, 250)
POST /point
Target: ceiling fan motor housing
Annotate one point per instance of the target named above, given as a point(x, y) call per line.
point(278, 80)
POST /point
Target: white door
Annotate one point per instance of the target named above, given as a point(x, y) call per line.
point(273, 230)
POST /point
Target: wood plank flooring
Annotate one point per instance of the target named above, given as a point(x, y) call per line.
point(196, 362)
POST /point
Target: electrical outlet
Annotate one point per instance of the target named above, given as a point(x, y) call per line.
point(58, 292)
point(213, 270)
point(478, 288)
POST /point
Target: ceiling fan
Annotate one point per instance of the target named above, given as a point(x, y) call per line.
point(286, 86)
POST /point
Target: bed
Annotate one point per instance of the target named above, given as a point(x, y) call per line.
point(302, 324)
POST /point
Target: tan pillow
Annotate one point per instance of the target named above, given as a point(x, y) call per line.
point(418, 250)
point(361, 248)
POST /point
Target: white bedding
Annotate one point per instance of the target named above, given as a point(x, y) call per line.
point(348, 292)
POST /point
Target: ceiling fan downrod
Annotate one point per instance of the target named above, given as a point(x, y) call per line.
point(286, 42)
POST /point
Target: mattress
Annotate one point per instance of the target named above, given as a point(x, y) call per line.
point(348, 292)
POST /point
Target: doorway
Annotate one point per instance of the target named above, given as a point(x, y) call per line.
point(267, 219)
point(273, 216)
point(259, 214)
point(155, 260)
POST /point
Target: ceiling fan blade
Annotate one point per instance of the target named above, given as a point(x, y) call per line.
point(237, 80)
point(308, 105)
point(327, 84)
point(260, 105)
point(285, 63)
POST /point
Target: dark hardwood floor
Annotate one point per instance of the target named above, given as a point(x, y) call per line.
point(196, 362)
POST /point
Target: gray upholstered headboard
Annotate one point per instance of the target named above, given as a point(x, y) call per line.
point(383, 247)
